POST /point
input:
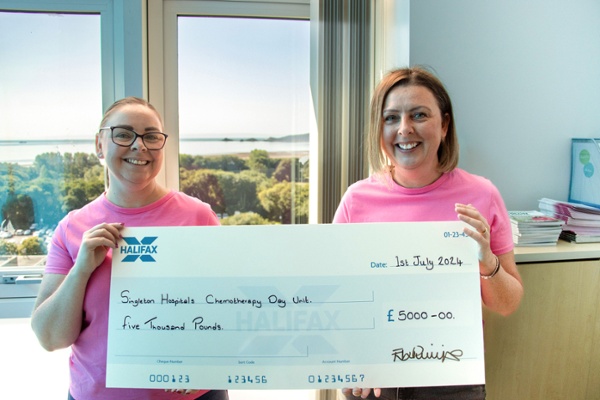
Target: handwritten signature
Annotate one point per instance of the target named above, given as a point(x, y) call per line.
point(420, 353)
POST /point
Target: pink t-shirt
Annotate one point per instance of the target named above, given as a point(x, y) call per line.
point(88, 353)
point(380, 199)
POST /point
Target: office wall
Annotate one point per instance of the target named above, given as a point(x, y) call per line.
point(524, 77)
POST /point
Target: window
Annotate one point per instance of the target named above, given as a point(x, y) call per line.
point(212, 62)
point(197, 67)
point(50, 75)
point(62, 62)
point(244, 116)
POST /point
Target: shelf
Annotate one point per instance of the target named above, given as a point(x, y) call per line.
point(563, 251)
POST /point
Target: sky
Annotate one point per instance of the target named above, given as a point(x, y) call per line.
point(242, 76)
point(238, 77)
point(50, 77)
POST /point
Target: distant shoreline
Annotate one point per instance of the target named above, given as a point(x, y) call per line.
point(303, 138)
point(24, 152)
point(36, 142)
point(272, 154)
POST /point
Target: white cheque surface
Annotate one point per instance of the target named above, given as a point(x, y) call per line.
point(295, 307)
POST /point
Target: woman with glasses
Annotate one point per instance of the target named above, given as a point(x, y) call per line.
point(72, 304)
point(413, 153)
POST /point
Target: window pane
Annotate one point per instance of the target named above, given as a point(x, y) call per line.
point(50, 97)
point(244, 116)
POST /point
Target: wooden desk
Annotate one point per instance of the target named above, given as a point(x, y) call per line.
point(550, 348)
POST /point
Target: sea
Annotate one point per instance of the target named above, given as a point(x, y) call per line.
point(24, 152)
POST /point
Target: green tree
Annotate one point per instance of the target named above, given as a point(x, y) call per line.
point(186, 161)
point(204, 185)
point(221, 163)
point(14, 208)
point(291, 170)
point(75, 196)
point(277, 200)
point(305, 170)
point(18, 209)
point(76, 165)
point(247, 218)
point(50, 165)
point(300, 211)
point(226, 163)
point(7, 248)
point(47, 200)
point(32, 246)
point(13, 178)
point(80, 191)
point(240, 191)
point(283, 172)
point(96, 174)
point(55, 184)
point(260, 161)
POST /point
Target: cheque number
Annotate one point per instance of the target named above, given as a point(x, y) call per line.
point(160, 378)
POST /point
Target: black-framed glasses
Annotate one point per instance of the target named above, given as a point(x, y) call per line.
point(126, 137)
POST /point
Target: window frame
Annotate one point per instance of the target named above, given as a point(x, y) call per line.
point(121, 61)
point(120, 71)
point(122, 58)
point(163, 76)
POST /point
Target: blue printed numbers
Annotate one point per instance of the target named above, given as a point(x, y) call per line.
point(332, 378)
point(166, 378)
point(455, 234)
point(247, 379)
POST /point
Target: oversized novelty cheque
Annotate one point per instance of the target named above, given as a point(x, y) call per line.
point(295, 307)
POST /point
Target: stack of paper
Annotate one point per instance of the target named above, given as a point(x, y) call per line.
point(534, 228)
point(581, 222)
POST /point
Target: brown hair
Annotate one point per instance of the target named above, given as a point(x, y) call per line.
point(127, 101)
point(417, 76)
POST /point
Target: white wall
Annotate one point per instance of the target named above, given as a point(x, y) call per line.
point(524, 77)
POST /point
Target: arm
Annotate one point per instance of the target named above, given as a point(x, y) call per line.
point(58, 312)
point(503, 292)
point(57, 315)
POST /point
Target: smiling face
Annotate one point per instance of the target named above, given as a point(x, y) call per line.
point(413, 129)
point(131, 168)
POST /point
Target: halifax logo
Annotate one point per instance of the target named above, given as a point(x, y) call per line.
point(139, 249)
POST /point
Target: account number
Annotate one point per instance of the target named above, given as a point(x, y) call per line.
point(332, 378)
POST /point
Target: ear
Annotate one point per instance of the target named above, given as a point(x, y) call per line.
point(99, 150)
point(445, 123)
